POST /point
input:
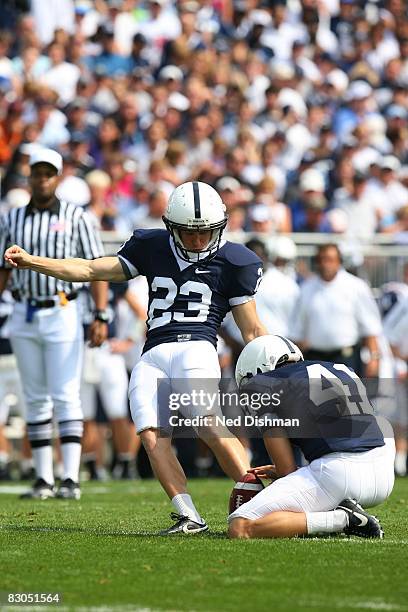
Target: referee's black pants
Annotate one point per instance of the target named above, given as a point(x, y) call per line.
point(349, 356)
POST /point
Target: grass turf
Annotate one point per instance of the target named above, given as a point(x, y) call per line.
point(101, 553)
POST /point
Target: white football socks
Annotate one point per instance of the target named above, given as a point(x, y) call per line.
point(185, 506)
point(42, 456)
point(4, 458)
point(71, 459)
point(124, 456)
point(400, 463)
point(26, 464)
point(326, 522)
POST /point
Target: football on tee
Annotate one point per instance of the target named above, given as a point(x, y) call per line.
point(245, 490)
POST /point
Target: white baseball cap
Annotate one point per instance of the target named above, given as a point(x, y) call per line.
point(228, 183)
point(171, 72)
point(177, 101)
point(338, 79)
point(282, 247)
point(47, 156)
point(358, 90)
point(390, 162)
point(260, 213)
point(312, 180)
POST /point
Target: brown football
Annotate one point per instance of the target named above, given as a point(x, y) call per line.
point(245, 490)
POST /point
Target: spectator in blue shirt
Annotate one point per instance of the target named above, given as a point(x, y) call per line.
point(108, 62)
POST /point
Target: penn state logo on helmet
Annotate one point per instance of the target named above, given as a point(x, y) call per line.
point(195, 206)
point(264, 354)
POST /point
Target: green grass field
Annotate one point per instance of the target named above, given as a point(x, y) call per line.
point(101, 553)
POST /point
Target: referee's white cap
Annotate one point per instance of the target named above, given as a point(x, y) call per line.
point(47, 156)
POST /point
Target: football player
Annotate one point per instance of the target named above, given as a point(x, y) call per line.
point(350, 451)
point(195, 277)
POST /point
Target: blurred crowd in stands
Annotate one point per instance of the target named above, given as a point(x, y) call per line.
point(295, 110)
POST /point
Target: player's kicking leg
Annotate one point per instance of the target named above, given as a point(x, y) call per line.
point(166, 467)
point(196, 370)
point(228, 450)
point(170, 474)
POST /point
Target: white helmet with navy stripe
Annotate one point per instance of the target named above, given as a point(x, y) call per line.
point(264, 354)
point(195, 206)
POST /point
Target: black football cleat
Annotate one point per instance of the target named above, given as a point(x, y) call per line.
point(360, 522)
point(185, 525)
point(69, 489)
point(123, 470)
point(40, 490)
point(5, 472)
point(28, 474)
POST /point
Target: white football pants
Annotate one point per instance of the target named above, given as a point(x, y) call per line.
point(49, 357)
point(367, 477)
point(106, 373)
point(11, 392)
point(172, 361)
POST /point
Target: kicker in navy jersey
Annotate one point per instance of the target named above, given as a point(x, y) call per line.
point(328, 400)
point(188, 301)
point(194, 279)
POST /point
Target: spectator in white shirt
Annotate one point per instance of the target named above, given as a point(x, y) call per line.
point(30, 65)
point(396, 331)
point(156, 208)
point(395, 194)
point(198, 142)
point(163, 25)
point(276, 296)
point(336, 313)
point(62, 77)
point(52, 124)
point(278, 292)
point(363, 212)
point(50, 15)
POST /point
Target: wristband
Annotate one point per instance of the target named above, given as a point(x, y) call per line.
point(102, 316)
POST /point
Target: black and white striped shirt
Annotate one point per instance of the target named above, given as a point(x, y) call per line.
point(61, 231)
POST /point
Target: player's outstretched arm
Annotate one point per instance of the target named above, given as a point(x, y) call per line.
point(246, 318)
point(71, 270)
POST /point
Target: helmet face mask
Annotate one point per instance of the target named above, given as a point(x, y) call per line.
point(195, 256)
point(195, 206)
point(265, 354)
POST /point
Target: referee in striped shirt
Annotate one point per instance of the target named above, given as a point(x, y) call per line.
point(45, 327)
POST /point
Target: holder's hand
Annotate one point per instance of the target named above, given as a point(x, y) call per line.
point(265, 471)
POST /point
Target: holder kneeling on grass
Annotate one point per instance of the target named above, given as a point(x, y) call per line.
point(350, 451)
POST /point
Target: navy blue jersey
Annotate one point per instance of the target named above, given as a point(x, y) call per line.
point(328, 400)
point(188, 301)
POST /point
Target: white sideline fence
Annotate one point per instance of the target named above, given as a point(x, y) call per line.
point(377, 262)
